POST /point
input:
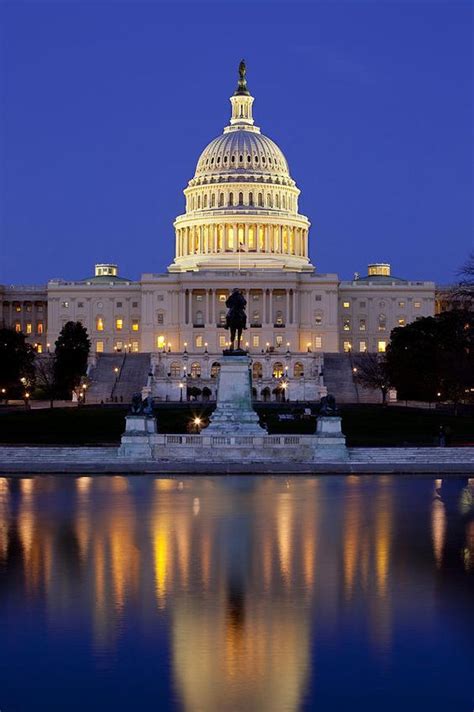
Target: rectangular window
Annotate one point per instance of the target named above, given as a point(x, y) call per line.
point(99, 347)
point(17, 308)
point(256, 341)
point(119, 324)
point(255, 297)
point(119, 345)
point(346, 324)
point(39, 327)
point(160, 342)
point(222, 297)
point(198, 342)
point(256, 317)
point(362, 325)
point(18, 327)
point(381, 346)
point(80, 305)
point(29, 327)
point(135, 347)
point(65, 305)
point(199, 297)
point(317, 297)
point(222, 341)
point(362, 305)
point(401, 305)
point(159, 297)
point(100, 323)
point(346, 305)
point(278, 340)
point(160, 318)
point(362, 346)
point(134, 305)
point(417, 305)
point(28, 307)
point(318, 342)
point(39, 308)
point(119, 305)
point(39, 349)
point(347, 346)
point(401, 322)
point(135, 325)
point(318, 319)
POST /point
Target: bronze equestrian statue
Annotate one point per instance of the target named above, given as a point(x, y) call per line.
point(236, 319)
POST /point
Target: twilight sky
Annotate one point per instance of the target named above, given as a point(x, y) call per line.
point(107, 106)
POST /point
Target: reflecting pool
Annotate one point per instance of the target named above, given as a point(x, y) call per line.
point(237, 594)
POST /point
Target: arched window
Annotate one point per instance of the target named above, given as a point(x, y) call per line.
point(213, 200)
point(277, 370)
point(260, 200)
point(231, 198)
point(257, 370)
point(382, 322)
point(241, 198)
point(277, 201)
point(99, 323)
point(204, 202)
point(175, 369)
point(283, 200)
point(199, 201)
point(215, 368)
point(195, 370)
point(250, 198)
point(221, 200)
point(199, 319)
point(269, 201)
point(298, 370)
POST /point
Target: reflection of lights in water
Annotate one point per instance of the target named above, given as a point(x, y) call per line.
point(196, 506)
point(468, 553)
point(284, 527)
point(83, 484)
point(161, 555)
point(164, 485)
point(4, 516)
point(438, 529)
point(180, 486)
point(27, 486)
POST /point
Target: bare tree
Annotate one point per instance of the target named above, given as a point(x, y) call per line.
point(45, 376)
point(370, 371)
point(464, 290)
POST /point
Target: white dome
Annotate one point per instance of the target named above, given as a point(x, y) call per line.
point(243, 154)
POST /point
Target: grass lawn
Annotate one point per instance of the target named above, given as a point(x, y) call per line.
point(369, 425)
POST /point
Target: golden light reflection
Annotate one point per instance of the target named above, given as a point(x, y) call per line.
point(284, 532)
point(438, 529)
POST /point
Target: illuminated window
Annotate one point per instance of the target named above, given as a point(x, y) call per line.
point(298, 370)
point(17, 326)
point(347, 346)
point(417, 305)
point(39, 348)
point(198, 342)
point(135, 347)
point(382, 322)
point(401, 305)
point(29, 327)
point(362, 324)
point(362, 346)
point(199, 297)
point(199, 319)
point(318, 342)
point(195, 370)
point(99, 347)
point(279, 318)
point(256, 317)
point(135, 325)
point(28, 307)
point(175, 369)
point(346, 324)
point(222, 341)
point(277, 370)
point(318, 319)
point(160, 342)
point(119, 324)
point(119, 345)
point(278, 341)
point(346, 305)
point(222, 318)
point(381, 346)
point(257, 370)
point(401, 322)
point(256, 341)
point(99, 324)
point(17, 307)
point(65, 305)
point(39, 307)
point(215, 368)
point(222, 297)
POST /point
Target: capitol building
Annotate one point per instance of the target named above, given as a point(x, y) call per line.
point(241, 227)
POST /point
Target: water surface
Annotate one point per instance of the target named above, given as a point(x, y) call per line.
point(236, 594)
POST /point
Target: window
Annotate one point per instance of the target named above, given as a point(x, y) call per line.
point(257, 370)
point(278, 341)
point(346, 305)
point(362, 305)
point(222, 297)
point(118, 346)
point(134, 305)
point(318, 342)
point(318, 319)
point(401, 305)
point(80, 305)
point(99, 324)
point(119, 324)
point(119, 305)
point(195, 370)
point(255, 297)
point(277, 370)
point(256, 317)
point(222, 341)
point(362, 324)
point(199, 319)
point(417, 305)
point(362, 346)
point(381, 346)
point(28, 307)
point(317, 297)
point(382, 322)
point(256, 341)
point(346, 324)
point(298, 370)
point(159, 298)
point(401, 321)
point(160, 318)
point(215, 368)
point(17, 327)
point(39, 308)
point(160, 342)
point(135, 347)
point(135, 325)
point(279, 318)
point(39, 327)
point(99, 347)
point(175, 369)
point(198, 342)
point(222, 318)
point(199, 297)
point(65, 305)
point(39, 349)
point(29, 327)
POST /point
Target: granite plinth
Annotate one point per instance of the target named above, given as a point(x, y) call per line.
point(136, 440)
point(234, 411)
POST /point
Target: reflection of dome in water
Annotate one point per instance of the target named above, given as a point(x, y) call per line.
point(241, 204)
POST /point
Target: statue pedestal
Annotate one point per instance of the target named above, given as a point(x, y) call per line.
point(329, 440)
point(135, 441)
point(234, 413)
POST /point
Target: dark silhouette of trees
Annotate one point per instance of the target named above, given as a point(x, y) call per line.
point(45, 369)
point(370, 371)
point(16, 363)
point(72, 351)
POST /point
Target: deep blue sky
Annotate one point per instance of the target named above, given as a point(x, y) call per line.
point(107, 106)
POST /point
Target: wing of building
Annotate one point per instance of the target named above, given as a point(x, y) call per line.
point(241, 228)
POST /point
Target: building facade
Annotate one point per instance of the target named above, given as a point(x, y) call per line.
point(241, 227)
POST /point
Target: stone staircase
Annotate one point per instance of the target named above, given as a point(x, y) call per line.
point(103, 377)
point(132, 377)
point(412, 455)
point(337, 375)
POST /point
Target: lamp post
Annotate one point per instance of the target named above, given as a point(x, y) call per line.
point(308, 346)
point(181, 386)
point(197, 424)
point(84, 387)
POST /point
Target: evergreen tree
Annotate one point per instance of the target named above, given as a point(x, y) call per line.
point(72, 350)
point(16, 363)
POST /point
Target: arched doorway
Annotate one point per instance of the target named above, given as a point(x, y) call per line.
point(265, 395)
